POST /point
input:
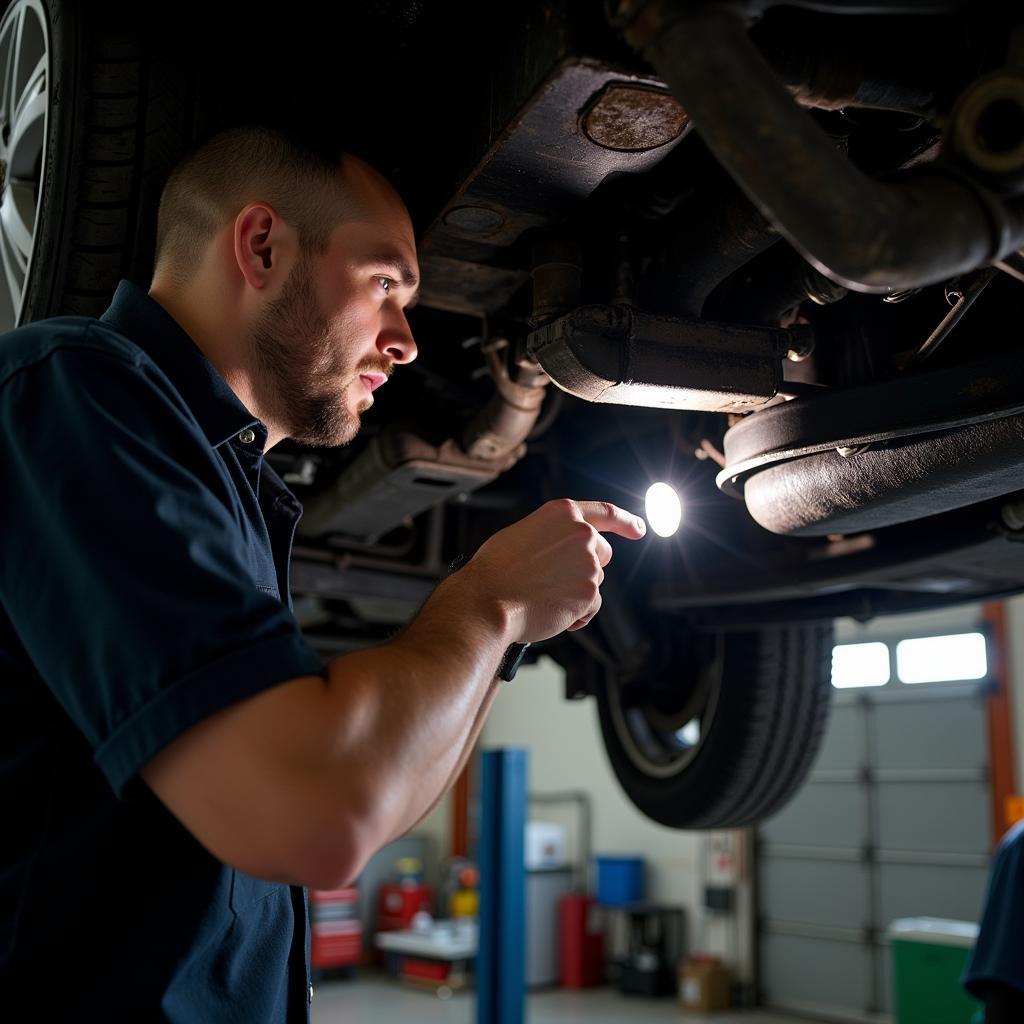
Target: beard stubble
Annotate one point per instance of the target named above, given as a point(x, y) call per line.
point(301, 374)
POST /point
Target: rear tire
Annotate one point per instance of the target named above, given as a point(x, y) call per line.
point(120, 115)
point(748, 747)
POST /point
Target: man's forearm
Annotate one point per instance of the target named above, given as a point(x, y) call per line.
point(467, 750)
point(409, 711)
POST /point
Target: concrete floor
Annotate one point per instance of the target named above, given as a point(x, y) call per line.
point(375, 1000)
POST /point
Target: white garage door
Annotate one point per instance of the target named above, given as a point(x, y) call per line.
point(894, 822)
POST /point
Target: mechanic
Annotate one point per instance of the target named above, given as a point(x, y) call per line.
point(995, 970)
point(177, 762)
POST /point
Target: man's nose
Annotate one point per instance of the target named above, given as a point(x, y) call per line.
point(395, 339)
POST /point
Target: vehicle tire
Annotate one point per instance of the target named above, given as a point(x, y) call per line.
point(738, 753)
point(109, 118)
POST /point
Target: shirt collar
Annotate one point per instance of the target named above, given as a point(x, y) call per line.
point(215, 406)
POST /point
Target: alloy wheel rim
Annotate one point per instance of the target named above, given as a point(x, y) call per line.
point(25, 76)
point(661, 750)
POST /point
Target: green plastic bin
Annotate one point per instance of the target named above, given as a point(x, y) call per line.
point(928, 958)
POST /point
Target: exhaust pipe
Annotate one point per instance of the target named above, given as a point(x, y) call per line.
point(867, 235)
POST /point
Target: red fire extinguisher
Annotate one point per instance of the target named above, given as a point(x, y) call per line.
point(582, 942)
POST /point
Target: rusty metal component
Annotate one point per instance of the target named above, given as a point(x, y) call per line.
point(986, 130)
point(396, 476)
point(466, 286)
point(479, 221)
point(557, 278)
point(867, 235)
point(538, 170)
point(881, 453)
point(768, 288)
point(819, 289)
point(502, 427)
point(827, 65)
point(618, 355)
point(721, 235)
point(840, 63)
point(875, 413)
point(633, 118)
point(873, 488)
point(356, 583)
point(802, 350)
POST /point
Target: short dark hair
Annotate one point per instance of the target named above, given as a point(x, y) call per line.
point(238, 166)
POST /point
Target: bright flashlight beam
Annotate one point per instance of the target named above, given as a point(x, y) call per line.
point(664, 510)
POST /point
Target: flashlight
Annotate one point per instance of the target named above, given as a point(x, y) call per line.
point(664, 509)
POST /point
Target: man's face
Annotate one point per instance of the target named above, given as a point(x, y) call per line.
point(338, 328)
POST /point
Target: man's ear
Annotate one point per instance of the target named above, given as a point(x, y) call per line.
point(263, 245)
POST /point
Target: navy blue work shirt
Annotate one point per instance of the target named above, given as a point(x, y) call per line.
point(998, 955)
point(144, 547)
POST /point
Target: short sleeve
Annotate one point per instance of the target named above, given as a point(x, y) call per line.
point(998, 955)
point(123, 569)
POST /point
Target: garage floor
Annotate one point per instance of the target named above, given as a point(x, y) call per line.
point(379, 1001)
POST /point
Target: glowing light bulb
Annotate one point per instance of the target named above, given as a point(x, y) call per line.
point(664, 509)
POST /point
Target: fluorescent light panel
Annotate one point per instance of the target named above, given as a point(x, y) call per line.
point(855, 665)
point(942, 659)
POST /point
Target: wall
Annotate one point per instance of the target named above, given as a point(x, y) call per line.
point(565, 753)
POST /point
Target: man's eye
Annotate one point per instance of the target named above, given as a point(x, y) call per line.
point(386, 283)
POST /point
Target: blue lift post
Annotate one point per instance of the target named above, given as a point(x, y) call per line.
point(501, 959)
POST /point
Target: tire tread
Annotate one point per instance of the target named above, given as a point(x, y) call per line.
point(762, 740)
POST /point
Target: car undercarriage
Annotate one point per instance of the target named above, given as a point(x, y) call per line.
point(768, 252)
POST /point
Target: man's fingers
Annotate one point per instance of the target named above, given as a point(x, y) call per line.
point(609, 518)
point(604, 551)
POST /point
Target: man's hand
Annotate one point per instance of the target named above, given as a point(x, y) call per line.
point(547, 569)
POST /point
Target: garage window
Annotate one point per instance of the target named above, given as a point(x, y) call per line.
point(940, 659)
point(856, 665)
